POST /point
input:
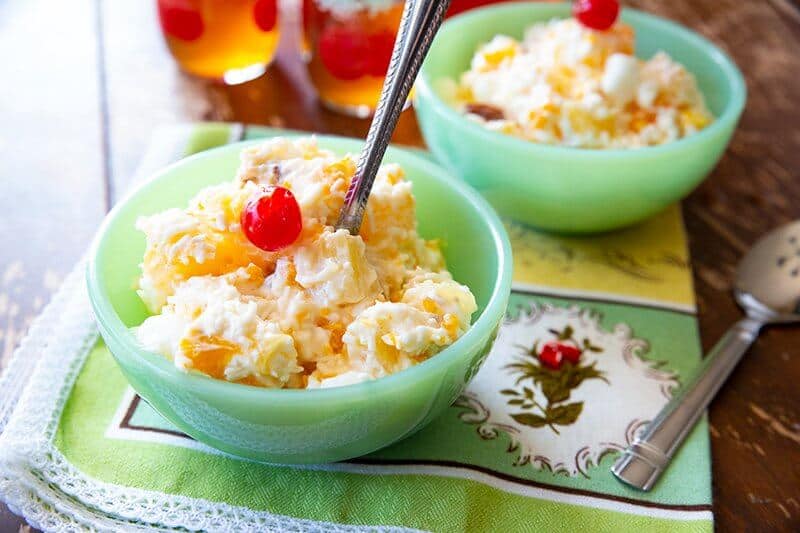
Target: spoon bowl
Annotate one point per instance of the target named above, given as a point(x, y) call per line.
point(768, 278)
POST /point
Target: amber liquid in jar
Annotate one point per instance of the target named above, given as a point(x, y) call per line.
point(349, 52)
point(229, 40)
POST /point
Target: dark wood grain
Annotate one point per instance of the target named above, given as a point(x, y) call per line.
point(116, 82)
point(755, 420)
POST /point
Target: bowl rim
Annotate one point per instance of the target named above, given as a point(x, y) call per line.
point(111, 324)
point(727, 118)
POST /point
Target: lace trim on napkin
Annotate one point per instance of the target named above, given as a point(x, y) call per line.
point(37, 481)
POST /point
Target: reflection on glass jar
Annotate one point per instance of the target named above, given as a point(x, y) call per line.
point(229, 40)
point(350, 45)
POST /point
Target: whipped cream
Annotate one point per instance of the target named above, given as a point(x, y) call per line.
point(569, 85)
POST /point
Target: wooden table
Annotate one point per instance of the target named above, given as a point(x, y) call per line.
point(86, 81)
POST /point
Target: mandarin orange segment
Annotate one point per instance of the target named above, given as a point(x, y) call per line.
point(451, 324)
point(209, 354)
point(430, 305)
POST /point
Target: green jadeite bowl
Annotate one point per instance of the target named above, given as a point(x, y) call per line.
point(303, 426)
point(569, 189)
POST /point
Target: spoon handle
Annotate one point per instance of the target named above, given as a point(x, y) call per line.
point(643, 462)
point(418, 26)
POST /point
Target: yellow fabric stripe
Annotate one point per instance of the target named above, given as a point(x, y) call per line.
point(650, 260)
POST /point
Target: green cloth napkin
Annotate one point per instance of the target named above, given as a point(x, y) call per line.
point(525, 448)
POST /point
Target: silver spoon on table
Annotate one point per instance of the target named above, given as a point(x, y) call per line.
point(418, 26)
point(768, 289)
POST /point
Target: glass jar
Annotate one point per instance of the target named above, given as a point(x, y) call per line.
point(349, 45)
point(230, 40)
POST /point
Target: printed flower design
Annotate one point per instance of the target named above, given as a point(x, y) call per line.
point(555, 368)
point(554, 354)
point(562, 390)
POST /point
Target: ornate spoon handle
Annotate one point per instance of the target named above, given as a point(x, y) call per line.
point(418, 26)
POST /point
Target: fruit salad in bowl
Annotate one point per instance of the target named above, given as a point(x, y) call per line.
point(237, 310)
point(252, 283)
point(568, 84)
point(577, 118)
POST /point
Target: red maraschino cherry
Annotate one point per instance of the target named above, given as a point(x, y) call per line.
point(381, 46)
point(272, 220)
point(596, 14)
point(179, 22)
point(345, 52)
point(265, 13)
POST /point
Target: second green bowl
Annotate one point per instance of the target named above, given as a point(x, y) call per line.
point(569, 189)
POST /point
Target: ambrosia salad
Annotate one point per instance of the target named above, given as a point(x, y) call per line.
point(252, 284)
point(572, 85)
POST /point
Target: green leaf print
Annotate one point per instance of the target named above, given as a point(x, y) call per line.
point(554, 391)
point(564, 414)
point(528, 419)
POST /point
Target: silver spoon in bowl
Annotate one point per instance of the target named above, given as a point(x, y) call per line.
point(768, 289)
point(418, 26)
